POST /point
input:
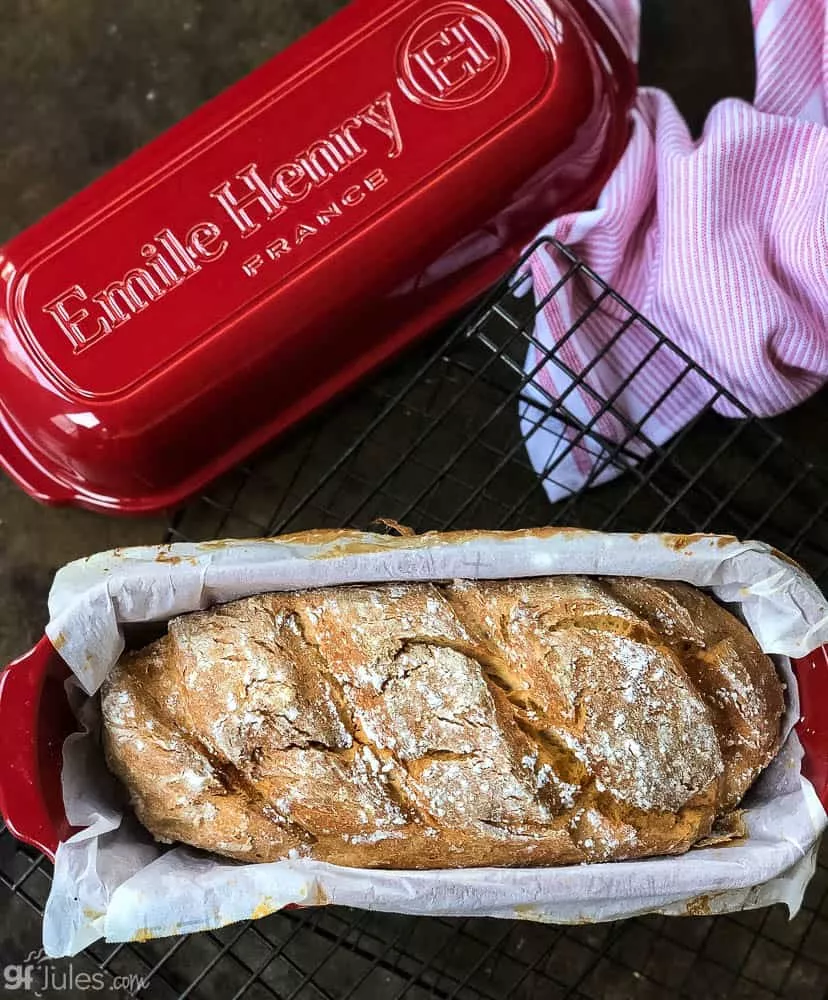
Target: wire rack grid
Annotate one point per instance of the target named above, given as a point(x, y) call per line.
point(436, 443)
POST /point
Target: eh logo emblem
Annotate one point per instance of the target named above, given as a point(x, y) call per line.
point(454, 57)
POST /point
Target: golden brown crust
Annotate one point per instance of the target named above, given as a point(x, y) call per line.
point(529, 722)
point(726, 667)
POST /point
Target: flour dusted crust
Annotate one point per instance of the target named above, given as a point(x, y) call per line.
point(529, 722)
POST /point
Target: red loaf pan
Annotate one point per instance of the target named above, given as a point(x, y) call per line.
point(295, 232)
point(35, 719)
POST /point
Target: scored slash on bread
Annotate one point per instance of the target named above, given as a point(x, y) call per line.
point(512, 723)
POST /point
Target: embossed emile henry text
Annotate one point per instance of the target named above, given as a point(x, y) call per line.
point(452, 57)
point(253, 198)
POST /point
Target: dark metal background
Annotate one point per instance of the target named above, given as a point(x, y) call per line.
point(435, 443)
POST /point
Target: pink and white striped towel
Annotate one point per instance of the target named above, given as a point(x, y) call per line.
point(722, 243)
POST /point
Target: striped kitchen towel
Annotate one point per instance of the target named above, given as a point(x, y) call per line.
point(722, 243)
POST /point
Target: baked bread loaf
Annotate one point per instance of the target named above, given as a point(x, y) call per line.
point(527, 722)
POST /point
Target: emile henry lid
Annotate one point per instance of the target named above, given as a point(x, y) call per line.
point(292, 234)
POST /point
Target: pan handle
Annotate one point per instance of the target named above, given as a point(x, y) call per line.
point(812, 677)
point(35, 719)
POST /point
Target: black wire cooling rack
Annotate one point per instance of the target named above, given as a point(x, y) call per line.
point(435, 443)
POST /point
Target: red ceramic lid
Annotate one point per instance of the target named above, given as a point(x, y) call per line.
point(295, 232)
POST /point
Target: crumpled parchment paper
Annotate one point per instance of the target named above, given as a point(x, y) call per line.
point(112, 881)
